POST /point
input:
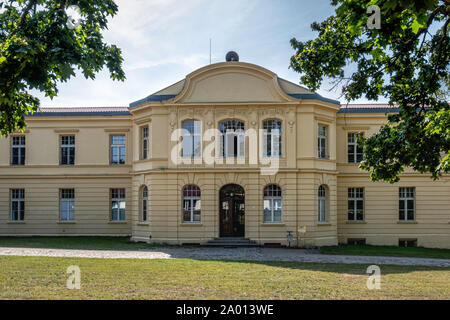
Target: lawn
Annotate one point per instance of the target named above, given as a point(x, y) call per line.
point(387, 251)
point(45, 278)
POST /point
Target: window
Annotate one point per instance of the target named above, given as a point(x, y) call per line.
point(117, 149)
point(322, 204)
point(192, 140)
point(144, 217)
point(355, 152)
point(117, 204)
point(356, 242)
point(272, 138)
point(406, 204)
point(272, 204)
point(355, 204)
point(67, 150)
point(18, 151)
point(232, 140)
point(67, 204)
point(145, 143)
point(322, 142)
point(407, 242)
point(17, 205)
point(191, 204)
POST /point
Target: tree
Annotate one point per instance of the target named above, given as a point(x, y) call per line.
point(405, 60)
point(40, 47)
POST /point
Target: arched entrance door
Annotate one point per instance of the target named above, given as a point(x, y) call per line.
point(232, 211)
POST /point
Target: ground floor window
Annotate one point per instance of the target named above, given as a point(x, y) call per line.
point(272, 204)
point(192, 204)
point(144, 217)
point(355, 204)
point(17, 205)
point(117, 204)
point(322, 205)
point(67, 204)
point(356, 242)
point(407, 242)
point(406, 204)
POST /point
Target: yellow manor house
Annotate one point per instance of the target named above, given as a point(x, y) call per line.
point(231, 152)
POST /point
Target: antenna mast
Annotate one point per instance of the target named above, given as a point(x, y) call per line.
point(210, 50)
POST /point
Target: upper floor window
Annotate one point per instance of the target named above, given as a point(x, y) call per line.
point(67, 150)
point(192, 205)
point(322, 142)
point(406, 204)
point(144, 217)
point(232, 140)
point(192, 139)
point(18, 151)
point(355, 152)
point(145, 143)
point(272, 204)
point(117, 204)
point(322, 206)
point(67, 204)
point(17, 205)
point(355, 204)
point(272, 138)
point(118, 149)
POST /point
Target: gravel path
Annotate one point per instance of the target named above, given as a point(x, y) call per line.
point(249, 254)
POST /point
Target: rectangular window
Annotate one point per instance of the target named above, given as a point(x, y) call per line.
point(145, 143)
point(67, 150)
point(406, 204)
point(192, 139)
point(322, 142)
point(17, 205)
point(117, 204)
point(407, 242)
point(67, 204)
point(355, 152)
point(18, 151)
point(118, 149)
point(356, 242)
point(356, 204)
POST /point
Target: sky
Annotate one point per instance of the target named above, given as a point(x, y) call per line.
point(164, 40)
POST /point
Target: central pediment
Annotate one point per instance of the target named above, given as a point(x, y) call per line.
point(231, 82)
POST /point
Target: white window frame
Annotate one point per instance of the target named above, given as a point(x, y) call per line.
point(145, 143)
point(68, 146)
point(191, 200)
point(322, 204)
point(70, 215)
point(356, 191)
point(21, 150)
point(353, 145)
point(117, 146)
point(193, 135)
point(272, 200)
point(119, 201)
point(17, 196)
point(404, 194)
point(270, 135)
point(145, 202)
point(228, 136)
point(322, 142)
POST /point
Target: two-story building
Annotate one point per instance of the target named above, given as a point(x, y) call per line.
point(232, 150)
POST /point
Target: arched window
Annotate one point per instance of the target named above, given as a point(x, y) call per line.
point(232, 140)
point(191, 204)
point(192, 139)
point(272, 138)
point(272, 204)
point(144, 216)
point(322, 207)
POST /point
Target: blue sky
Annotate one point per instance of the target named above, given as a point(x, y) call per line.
point(163, 40)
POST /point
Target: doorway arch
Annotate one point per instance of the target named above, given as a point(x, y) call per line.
point(232, 211)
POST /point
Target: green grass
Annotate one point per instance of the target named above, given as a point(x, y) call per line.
point(81, 243)
point(45, 278)
point(387, 251)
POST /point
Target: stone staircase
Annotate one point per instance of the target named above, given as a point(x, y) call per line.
point(231, 242)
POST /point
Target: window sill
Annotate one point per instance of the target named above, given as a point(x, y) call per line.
point(16, 222)
point(191, 224)
point(323, 224)
point(117, 222)
point(272, 224)
point(66, 222)
point(143, 224)
point(407, 222)
point(355, 222)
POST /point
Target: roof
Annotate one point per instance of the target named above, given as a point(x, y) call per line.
point(368, 108)
point(82, 111)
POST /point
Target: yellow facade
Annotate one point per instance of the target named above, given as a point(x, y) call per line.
point(211, 95)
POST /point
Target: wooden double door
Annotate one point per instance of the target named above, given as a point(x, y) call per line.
point(232, 211)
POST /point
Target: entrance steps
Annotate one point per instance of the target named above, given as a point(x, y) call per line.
point(231, 242)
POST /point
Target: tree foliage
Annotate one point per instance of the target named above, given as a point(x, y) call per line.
point(406, 60)
point(39, 49)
